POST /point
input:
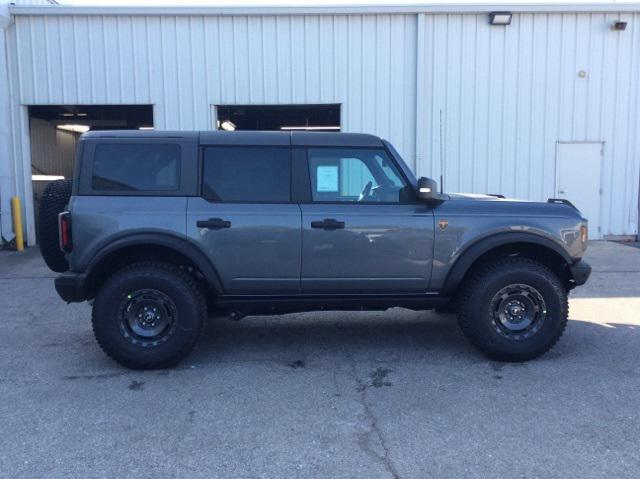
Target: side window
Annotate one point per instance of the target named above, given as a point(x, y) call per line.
point(355, 175)
point(247, 174)
point(136, 167)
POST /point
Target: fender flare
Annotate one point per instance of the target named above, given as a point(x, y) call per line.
point(179, 244)
point(474, 251)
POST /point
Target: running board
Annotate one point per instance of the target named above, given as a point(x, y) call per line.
point(256, 305)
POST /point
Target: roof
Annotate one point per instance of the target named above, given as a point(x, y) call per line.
point(253, 138)
point(339, 9)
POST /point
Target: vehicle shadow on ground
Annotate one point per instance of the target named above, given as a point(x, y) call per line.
point(382, 338)
point(339, 333)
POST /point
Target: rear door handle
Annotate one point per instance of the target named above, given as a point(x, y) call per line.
point(328, 224)
point(214, 223)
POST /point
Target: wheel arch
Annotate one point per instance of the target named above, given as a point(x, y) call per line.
point(534, 246)
point(151, 246)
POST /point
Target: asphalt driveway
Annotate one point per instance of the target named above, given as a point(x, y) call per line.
point(358, 395)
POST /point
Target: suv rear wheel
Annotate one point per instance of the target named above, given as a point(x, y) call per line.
point(148, 315)
point(513, 309)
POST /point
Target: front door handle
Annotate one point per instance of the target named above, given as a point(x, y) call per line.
point(328, 224)
point(214, 223)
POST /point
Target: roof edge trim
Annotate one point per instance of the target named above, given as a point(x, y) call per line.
point(323, 9)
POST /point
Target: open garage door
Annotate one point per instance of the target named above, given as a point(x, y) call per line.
point(278, 117)
point(54, 131)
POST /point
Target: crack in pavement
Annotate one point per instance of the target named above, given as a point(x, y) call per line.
point(365, 439)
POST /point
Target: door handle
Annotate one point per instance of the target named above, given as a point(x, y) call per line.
point(561, 192)
point(214, 223)
point(328, 224)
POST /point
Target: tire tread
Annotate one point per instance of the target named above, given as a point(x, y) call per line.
point(54, 200)
point(147, 268)
point(474, 284)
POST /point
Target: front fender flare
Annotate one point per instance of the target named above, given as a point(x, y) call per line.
point(474, 251)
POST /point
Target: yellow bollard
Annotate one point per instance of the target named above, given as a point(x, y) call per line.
point(16, 210)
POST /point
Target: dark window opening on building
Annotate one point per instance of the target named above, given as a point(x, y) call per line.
point(54, 131)
point(279, 117)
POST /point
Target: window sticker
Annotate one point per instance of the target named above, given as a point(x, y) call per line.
point(327, 178)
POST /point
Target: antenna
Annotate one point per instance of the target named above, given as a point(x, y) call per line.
point(442, 155)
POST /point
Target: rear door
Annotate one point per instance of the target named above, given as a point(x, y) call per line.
point(363, 230)
point(245, 221)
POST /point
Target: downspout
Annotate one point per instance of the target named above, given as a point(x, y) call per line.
point(7, 174)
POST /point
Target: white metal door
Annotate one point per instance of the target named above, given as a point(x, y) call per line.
point(578, 171)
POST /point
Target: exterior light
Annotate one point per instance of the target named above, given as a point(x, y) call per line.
point(146, 128)
point(228, 126)
point(500, 18)
point(309, 128)
point(74, 128)
point(619, 26)
point(584, 233)
point(46, 177)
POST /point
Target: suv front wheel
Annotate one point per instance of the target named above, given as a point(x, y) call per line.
point(148, 315)
point(513, 309)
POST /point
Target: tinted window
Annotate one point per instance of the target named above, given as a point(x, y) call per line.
point(247, 174)
point(355, 175)
point(136, 167)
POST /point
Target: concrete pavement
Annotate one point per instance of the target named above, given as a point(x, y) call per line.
point(358, 395)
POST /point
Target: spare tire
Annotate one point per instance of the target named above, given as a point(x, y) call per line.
point(54, 201)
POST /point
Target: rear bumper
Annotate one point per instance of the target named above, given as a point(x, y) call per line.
point(71, 287)
point(580, 273)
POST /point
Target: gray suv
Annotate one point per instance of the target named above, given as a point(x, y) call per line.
point(160, 230)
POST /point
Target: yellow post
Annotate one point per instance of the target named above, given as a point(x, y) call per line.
point(16, 210)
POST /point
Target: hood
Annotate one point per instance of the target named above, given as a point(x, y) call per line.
point(499, 204)
point(480, 197)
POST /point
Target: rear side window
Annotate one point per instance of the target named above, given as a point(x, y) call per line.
point(247, 174)
point(136, 167)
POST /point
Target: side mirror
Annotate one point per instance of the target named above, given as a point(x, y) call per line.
point(428, 190)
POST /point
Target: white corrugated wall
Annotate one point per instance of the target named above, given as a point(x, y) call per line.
point(183, 65)
point(508, 94)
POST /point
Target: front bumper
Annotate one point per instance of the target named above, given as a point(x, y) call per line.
point(580, 272)
point(71, 287)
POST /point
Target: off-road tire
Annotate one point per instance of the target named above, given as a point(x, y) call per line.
point(54, 201)
point(170, 281)
point(449, 308)
point(476, 314)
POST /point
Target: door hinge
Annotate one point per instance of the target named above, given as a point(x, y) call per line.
point(599, 229)
point(600, 191)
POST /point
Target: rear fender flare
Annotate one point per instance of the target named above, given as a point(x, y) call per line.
point(178, 244)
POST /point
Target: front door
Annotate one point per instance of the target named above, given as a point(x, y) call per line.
point(245, 221)
point(363, 231)
point(578, 180)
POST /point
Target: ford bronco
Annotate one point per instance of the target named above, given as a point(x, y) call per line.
point(161, 230)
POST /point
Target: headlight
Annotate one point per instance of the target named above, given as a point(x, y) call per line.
point(584, 233)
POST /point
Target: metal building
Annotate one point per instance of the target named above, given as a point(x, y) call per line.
point(547, 105)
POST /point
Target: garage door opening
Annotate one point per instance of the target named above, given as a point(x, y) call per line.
point(54, 133)
point(278, 117)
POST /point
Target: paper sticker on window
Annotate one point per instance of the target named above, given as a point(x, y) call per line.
point(327, 178)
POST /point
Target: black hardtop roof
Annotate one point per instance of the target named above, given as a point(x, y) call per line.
point(256, 138)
